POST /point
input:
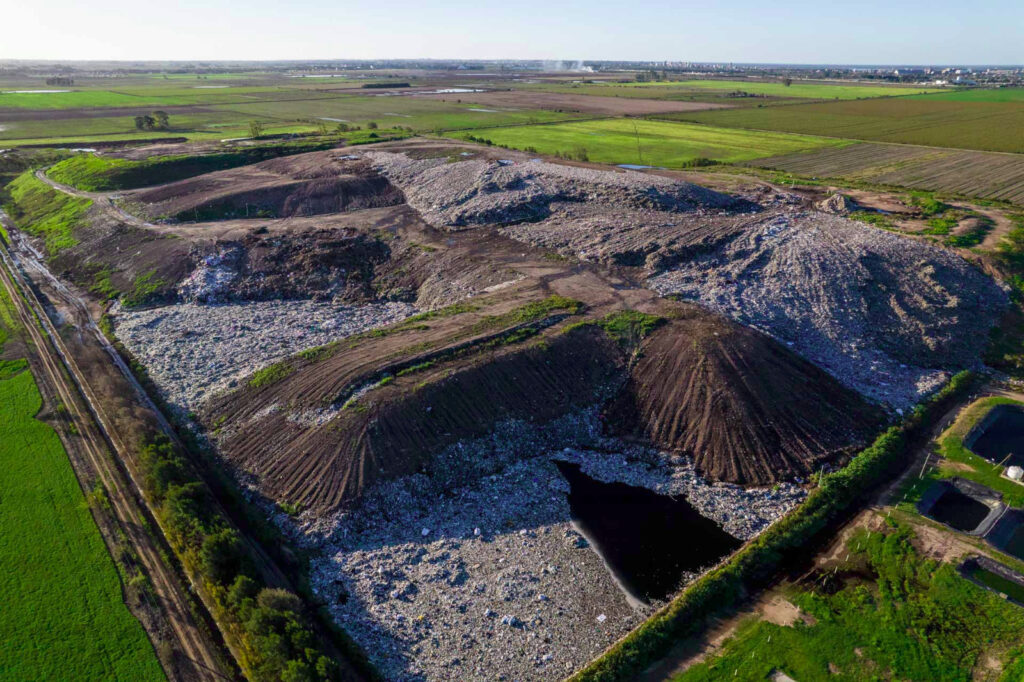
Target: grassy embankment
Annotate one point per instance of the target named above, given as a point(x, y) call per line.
point(890, 614)
point(961, 462)
point(782, 545)
point(45, 212)
point(107, 173)
point(642, 142)
point(63, 612)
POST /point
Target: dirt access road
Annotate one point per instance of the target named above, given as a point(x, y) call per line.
point(103, 199)
point(56, 377)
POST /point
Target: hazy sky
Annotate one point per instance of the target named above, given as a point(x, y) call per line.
point(796, 31)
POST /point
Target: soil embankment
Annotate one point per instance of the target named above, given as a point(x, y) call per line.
point(747, 409)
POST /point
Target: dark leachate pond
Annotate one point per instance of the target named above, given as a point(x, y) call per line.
point(647, 540)
point(1003, 437)
point(958, 510)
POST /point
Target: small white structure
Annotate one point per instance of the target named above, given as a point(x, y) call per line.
point(1015, 473)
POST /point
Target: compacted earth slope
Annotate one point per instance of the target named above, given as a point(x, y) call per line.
point(747, 409)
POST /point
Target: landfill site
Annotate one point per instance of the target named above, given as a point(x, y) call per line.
point(432, 363)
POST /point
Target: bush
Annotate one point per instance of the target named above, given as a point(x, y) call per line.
point(222, 556)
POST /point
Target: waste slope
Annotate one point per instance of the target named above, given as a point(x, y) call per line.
point(396, 429)
point(887, 315)
point(747, 409)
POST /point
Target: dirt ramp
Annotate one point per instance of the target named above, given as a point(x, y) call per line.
point(748, 410)
point(400, 428)
point(306, 184)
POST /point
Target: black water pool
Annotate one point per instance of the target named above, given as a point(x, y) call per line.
point(648, 540)
point(1004, 436)
point(958, 510)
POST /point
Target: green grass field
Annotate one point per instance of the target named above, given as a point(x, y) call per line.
point(63, 615)
point(931, 121)
point(654, 143)
point(889, 614)
point(980, 95)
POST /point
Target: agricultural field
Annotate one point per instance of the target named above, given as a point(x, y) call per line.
point(930, 121)
point(63, 612)
point(652, 143)
point(981, 95)
point(976, 174)
point(815, 90)
point(218, 116)
point(886, 613)
point(724, 92)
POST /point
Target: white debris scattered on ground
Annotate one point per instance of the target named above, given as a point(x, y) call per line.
point(886, 315)
point(478, 191)
point(193, 351)
point(491, 581)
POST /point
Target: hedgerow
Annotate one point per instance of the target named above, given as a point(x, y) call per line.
point(268, 628)
point(755, 565)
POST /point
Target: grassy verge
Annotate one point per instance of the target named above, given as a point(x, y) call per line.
point(62, 601)
point(783, 544)
point(887, 613)
point(951, 446)
point(45, 212)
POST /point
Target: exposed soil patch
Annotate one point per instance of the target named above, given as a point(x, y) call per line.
point(745, 408)
point(305, 184)
point(395, 430)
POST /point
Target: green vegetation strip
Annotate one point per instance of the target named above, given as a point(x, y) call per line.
point(784, 543)
point(63, 613)
point(270, 628)
point(45, 212)
point(897, 616)
point(652, 143)
point(106, 173)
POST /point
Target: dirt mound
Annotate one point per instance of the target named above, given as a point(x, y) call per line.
point(480, 191)
point(396, 429)
point(884, 314)
point(307, 184)
point(319, 264)
point(838, 204)
point(746, 409)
